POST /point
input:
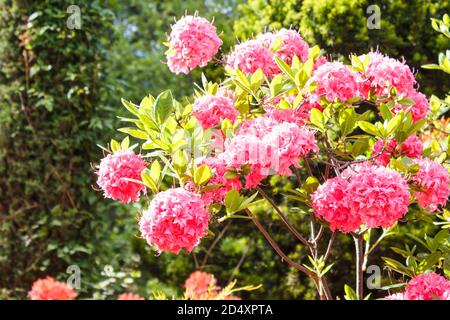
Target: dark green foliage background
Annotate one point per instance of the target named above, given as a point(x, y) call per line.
point(55, 110)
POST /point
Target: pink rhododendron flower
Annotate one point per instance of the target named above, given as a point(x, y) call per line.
point(289, 143)
point(50, 289)
point(420, 107)
point(201, 285)
point(129, 296)
point(433, 180)
point(193, 42)
point(249, 56)
point(427, 286)
point(330, 203)
point(364, 194)
point(382, 152)
point(211, 109)
point(175, 219)
point(292, 44)
point(319, 61)
point(384, 72)
point(380, 196)
point(264, 143)
point(300, 115)
point(336, 81)
point(113, 171)
point(412, 147)
point(248, 150)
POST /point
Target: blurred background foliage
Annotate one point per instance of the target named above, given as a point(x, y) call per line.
point(60, 93)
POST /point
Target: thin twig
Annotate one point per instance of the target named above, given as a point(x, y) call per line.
point(275, 246)
point(213, 244)
point(283, 218)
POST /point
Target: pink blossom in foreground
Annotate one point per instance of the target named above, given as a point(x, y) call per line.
point(412, 147)
point(50, 289)
point(364, 194)
point(129, 296)
point(427, 286)
point(289, 143)
point(201, 285)
point(433, 180)
point(420, 107)
point(383, 151)
point(193, 42)
point(384, 73)
point(264, 143)
point(113, 171)
point(336, 81)
point(300, 115)
point(292, 44)
point(330, 203)
point(250, 56)
point(175, 219)
point(380, 196)
point(211, 109)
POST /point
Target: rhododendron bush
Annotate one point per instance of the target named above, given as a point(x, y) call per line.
point(345, 135)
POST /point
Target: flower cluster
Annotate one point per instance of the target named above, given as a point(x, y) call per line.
point(129, 296)
point(433, 181)
point(291, 44)
point(264, 143)
point(113, 172)
point(382, 151)
point(175, 219)
point(250, 56)
point(50, 289)
point(383, 73)
point(201, 285)
point(193, 42)
point(412, 147)
point(364, 194)
point(426, 286)
point(335, 81)
point(211, 109)
point(257, 53)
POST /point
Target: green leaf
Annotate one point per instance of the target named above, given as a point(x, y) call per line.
point(350, 294)
point(347, 121)
point(155, 171)
point(202, 175)
point(232, 201)
point(163, 106)
point(134, 133)
point(130, 107)
point(115, 146)
point(394, 123)
point(369, 128)
point(311, 184)
point(385, 112)
point(148, 181)
point(125, 143)
point(257, 79)
point(317, 119)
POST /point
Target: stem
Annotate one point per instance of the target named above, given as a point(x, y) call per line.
point(214, 243)
point(275, 246)
point(283, 218)
point(330, 245)
point(359, 271)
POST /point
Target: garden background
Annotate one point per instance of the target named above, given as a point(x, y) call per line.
point(60, 91)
